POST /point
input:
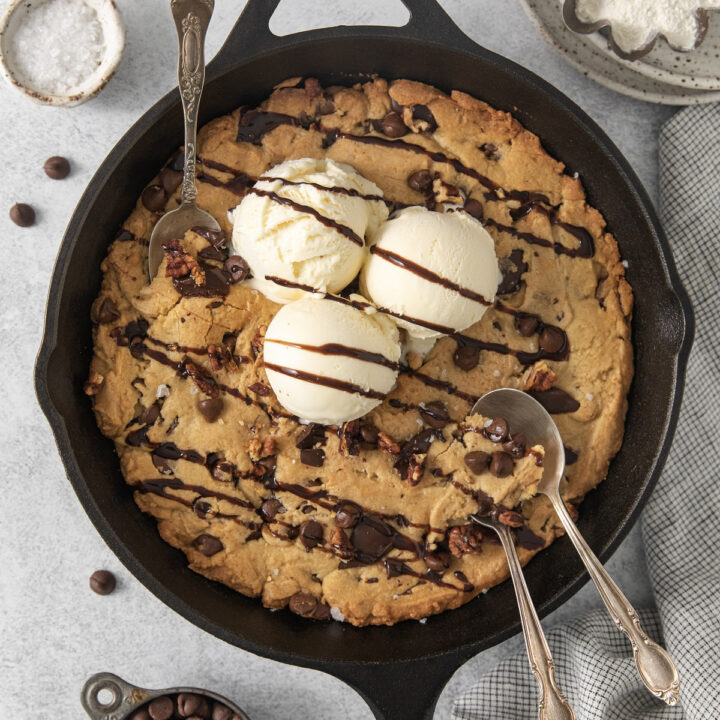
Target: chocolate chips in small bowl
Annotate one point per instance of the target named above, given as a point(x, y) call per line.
point(106, 695)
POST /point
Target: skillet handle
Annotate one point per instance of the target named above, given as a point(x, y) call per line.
point(406, 690)
point(251, 35)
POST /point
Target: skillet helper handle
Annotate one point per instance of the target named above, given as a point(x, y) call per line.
point(122, 698)
point(251, 35)
point(192, 18)
point(552, 705)
point(656, 667)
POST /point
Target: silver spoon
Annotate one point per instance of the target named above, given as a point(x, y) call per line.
point(552, 705)
point(192, 18)
point(526, 414)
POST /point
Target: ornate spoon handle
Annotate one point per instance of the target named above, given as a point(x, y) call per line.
point(553, 705)
point(654, 664)
point(192, 18)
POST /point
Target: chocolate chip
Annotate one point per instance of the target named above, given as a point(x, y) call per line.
point(303, 604)
point(369, 434)
point(497, 430)
point(512, 269)
point(314, 457)
point(190, 704)
point(270, 508)
point(466, 357)
point(204, 509)
point(528, 539)
point(141, 714)
point(424, 114)
point(210, 408)
point(22, 214)
point(154, 198)
point(311, 534)
point(102, 582)
point(208, 545)
point(107, 312)
point(347, 515)
point(150, 414)
point(526, 325)
point(552, 339)
point(237, 268)
point(372, 538)
point(477, 461)
point(161, 708)
point(309, 435)
point(170, 179)
point(57, 167)
point(474, 207)
point(421, 181)
point(438, 562)
point(516, 445)
point(435, 414)
point(178, 161)
point(571, 455)
point(489, 150)
point(222, 712)
point(555, 400)
point(501, 464)
point(485, 503)
point(393, 126)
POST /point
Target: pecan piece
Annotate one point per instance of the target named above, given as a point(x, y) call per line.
point(416, 468)
point(254, 449)
point(202, 380)
point(221, 357)
point(386, 443)
point(268, 446)
point(94, 383)
point(181, 263)
point(463, 539)
point(511, 518)
point(341, 544)
point(350, 438)
point(256, 344)
point(539, 377)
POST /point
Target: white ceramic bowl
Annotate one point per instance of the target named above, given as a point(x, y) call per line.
point(114, 36)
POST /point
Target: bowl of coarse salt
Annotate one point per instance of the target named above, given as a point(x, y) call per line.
point(60, 52)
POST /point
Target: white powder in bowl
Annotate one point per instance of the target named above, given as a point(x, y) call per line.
point(55, 45)
point(636, 22)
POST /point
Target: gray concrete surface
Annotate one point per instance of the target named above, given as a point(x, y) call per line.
point(54, 632)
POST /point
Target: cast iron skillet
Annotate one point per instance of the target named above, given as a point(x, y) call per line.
point(399, 670)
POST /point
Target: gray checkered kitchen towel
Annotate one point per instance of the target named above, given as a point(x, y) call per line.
point(681, 524)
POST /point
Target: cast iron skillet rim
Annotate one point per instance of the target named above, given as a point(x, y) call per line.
point(50, 337)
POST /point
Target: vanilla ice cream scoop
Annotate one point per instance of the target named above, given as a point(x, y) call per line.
point(329, 362)
point(304, 222)
point(435, 272)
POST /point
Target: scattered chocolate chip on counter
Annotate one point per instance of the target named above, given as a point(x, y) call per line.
point(57, 167)
point(102, 582)
point(22, 214)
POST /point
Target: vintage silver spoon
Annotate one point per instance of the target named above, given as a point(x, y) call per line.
point(192, 18)
point(552, 705)
point(526, 414)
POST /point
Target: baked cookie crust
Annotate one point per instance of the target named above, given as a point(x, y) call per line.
point(368, 522)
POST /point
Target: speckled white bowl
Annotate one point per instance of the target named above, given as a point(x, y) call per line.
point(113, 31)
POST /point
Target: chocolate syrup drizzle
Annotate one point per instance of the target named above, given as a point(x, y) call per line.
point(428, 275)
point(338, 349)
point(326, 381)
point(348, 232)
